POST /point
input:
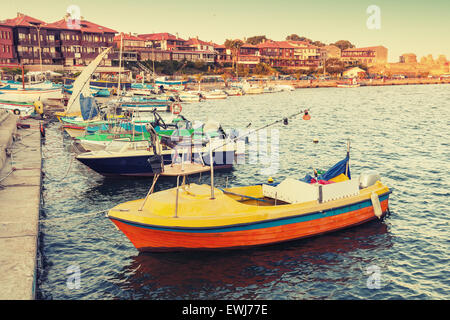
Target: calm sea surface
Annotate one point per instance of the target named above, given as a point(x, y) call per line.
point(400, 131)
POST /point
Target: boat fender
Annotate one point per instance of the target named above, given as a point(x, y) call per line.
point(42, 129)
point(376, 205)
point(38, 107)
point(368, 178)
point(176, 108)
point(17, 111)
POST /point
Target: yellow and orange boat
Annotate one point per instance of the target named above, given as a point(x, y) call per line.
point(201, 217)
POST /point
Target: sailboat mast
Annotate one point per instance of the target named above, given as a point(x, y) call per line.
point(119, 91)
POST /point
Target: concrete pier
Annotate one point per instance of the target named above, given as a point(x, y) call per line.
point(20, 185)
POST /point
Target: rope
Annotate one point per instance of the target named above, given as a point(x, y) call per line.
point(12, 170)
point(257, 129)
point(73, 216)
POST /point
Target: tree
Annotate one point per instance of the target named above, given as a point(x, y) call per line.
point(334, 66)
point(256, 39)
point(263, 69)
point(234, 46)
point(318, 43)
point(343, 44)
point(296, 37)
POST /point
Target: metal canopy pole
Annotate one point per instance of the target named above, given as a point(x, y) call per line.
point(211, 165)
point(150, 191)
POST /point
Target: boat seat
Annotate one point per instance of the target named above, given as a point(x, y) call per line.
point(291, 191)
point(296, 191)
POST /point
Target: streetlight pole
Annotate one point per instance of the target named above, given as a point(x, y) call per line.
point(38, 28)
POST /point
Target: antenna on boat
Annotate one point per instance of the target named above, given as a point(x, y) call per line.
point(348, 156)
point(211, 165)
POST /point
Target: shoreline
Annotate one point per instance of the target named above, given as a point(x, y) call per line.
point(299, 84)
point(20, 196)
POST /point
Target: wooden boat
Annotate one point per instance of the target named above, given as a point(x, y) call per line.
point(202, 217)
point(253, 90)
point(80, 86)
point(214, 94)
point(103, 84)
point(189, 96)
point(234, 92)
point(31, 95)
point(134, 158)
point(22, 109)
point(350, 84)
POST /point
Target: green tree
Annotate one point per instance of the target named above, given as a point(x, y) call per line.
point(343, 44)
point(234, 46)
point(334, 66)
point(256, 39)
point(296, 37)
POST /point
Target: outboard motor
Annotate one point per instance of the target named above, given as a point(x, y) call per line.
point(368, 178)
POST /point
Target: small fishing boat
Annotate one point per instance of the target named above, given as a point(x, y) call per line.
point(214, 94)
point(253, 89)
point(22, 109)
point(234, 92)
point(31, 95)
point(285, 87)
point(104, 84)
point(41, 85)
point(350, 84)
point(201, 217)
point(128, 130)
point(134, 158)
point(80, 86)
point(271, 89)
point(190, 96)
point(198, 217)
point(168, 82)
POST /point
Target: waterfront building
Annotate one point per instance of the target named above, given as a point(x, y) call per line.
point(162, 41)
point(290, 54)
point(80, 43)
point(7, 52)
point(64, 42)
point(27, 39)
point(408, 58)
point(368, 55)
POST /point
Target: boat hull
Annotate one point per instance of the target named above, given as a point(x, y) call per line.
point(139, 165)
point(266, 232)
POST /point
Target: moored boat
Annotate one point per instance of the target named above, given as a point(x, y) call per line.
point(22, 109)
point(201, 217)
point(214, 94)
point(31, 95)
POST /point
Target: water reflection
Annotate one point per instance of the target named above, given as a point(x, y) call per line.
point(199, 274)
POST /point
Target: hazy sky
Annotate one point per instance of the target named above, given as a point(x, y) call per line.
point(421, 27)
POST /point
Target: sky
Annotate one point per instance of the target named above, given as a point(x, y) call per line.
point(420, 27)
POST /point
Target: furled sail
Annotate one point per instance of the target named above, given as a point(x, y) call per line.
point(88, 107)
point(81, 84)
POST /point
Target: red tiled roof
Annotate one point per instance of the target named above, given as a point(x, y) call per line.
point(249, 45)
point(127, 36)
point(160, 36)
point(21, 20)
point(198, 41)
point(84, 26)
